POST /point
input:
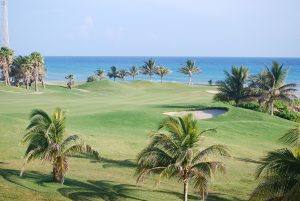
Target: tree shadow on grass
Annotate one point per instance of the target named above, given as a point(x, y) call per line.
point(89, 190)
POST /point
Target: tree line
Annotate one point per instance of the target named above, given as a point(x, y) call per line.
point(22, 69)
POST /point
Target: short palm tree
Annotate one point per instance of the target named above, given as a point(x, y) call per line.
point(280, 172)
point(122, 74)
point(6, 60)
point(175, 151)
point(46, 140)
point(17, 69)
point(38, 66)
point(162, 71)
point(100, 74)
point(70, 79)
point(234, 88)
point(271, 86)
point(149, 68)
point(113, 73)
point(189, 69)
point(134, 71)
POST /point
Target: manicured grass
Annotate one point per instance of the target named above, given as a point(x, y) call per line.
point(116, 118)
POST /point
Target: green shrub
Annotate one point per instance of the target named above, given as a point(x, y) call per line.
point(251, 106)
point(93, 78)
point(289, 115)
point(280, 105)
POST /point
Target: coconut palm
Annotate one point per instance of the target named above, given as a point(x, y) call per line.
point(134, 71)
point(270, 84)
point(175, 151)
point(149, 68)
point(162, 71)
point(189, 69)
point(38, 67)
point(71, 81)
point(122, 74)
point(46, 140)
point(100, 74)
point(280, 172)
point(113, 73)
point(233, 87)
point(27, 71)
point(6, 60)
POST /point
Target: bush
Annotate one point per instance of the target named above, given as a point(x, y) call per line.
point(289, 115)
point(251, 106)
point(280, 105)
point(93, 78)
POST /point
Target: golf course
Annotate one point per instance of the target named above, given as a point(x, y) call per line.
point(115, 118)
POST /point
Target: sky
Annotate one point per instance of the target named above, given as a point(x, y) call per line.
point(226, 28)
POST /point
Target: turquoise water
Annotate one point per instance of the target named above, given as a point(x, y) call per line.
point(212, 67)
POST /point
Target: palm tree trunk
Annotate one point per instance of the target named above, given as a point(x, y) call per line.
point(150, 76)
point(161, 79)
point(272, 108)
point(190, 80)
point(43, 83)
point(56, 177)
point(185, 190)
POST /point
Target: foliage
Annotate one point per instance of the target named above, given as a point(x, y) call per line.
point(113, 73)
point(251, 106)
point(134, 71)
point(122, 74)
point(162, 71)
point(46, 140)
point(289, 115)
point(100, 74)
point(71, 81)
point(149, 68)
point(210, 82)
point(189, 69)
point(6, 60)
point(280, 171)
point(174, 151)
point(234, 88)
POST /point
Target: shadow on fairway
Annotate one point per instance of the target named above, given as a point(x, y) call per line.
point(91, 189)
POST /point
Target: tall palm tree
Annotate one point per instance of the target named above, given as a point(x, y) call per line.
point(280, 172)
point(100, 74)
point(134, 71)
point(38, 66)
point(6, 60)
point(189, 69)
point(175, 151)
point(70, 79)
point(149, 68)
point(122, 74)
point(162, 71)
point(113, 73)
point(270, 83)
point(27, 69)
point(46, 141)
point(233, 87)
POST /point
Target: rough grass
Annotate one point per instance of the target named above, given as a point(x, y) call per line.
point(116, 118)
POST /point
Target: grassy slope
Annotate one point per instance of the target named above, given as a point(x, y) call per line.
point(115, 118)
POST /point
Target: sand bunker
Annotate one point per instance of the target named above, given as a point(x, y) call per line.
point(212, 91)
point(200, 114)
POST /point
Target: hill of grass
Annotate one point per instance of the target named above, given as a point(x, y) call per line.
point(116, 118)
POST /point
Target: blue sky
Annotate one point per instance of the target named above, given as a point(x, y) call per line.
point(156, 27)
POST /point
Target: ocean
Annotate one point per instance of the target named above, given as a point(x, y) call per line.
point(212, 67)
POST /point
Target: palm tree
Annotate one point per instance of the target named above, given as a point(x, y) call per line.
point(27, 70)
point(280, 172)
point(17, 72)
point(162, 71)
point(46, 141)
point(113, 73)
point(38, 67)
point(210, 82)
point(6, 60)
point(189, 69)
point(122, 74)
point(174, 151)
point(134, 71)
point(270, 84)
point(100, 74)
point(233, 87)
point(149, 68)
point(70, 79)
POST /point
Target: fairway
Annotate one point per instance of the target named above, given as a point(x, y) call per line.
point(116, 118)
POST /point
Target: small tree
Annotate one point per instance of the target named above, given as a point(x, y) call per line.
point(149, 68)
point(175, 151)
point(37, 68)
point(6, 60)
point(122, 74)
point(134, 71)
point(162, 71)
point(113, 73)
point(71, 81)
point(189, 69)
point(46, 141)
point(100, 73)
point(210, 82)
